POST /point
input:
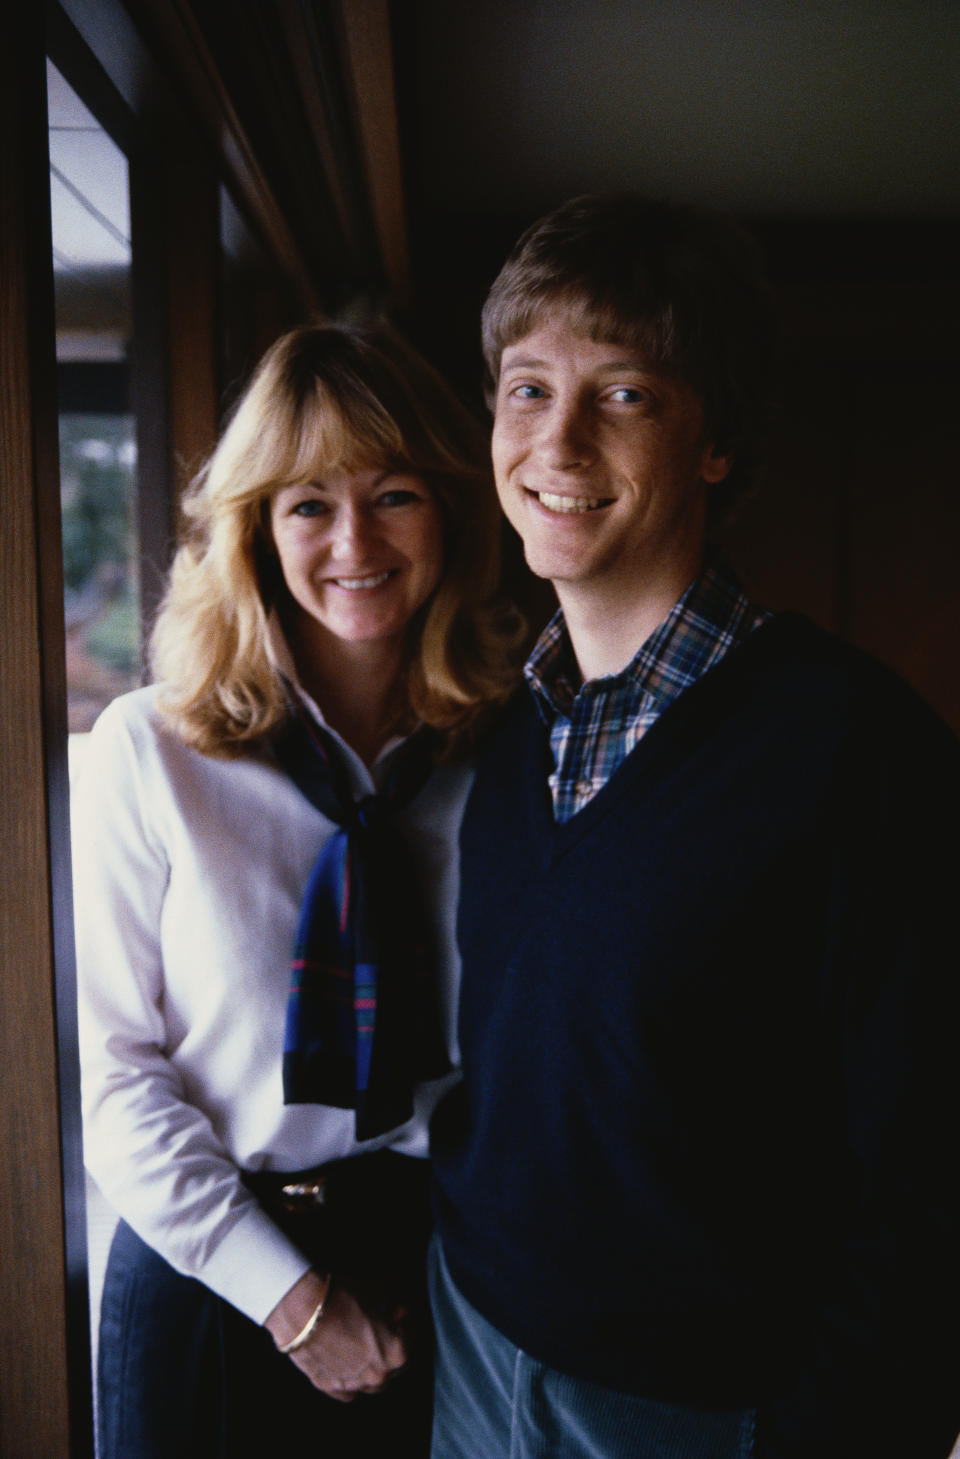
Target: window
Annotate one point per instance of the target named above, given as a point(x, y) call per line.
point(90, 209)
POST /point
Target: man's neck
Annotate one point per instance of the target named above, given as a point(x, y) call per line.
point(608, 629)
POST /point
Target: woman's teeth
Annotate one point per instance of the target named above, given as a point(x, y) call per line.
point(354, 585)
point(569, 504)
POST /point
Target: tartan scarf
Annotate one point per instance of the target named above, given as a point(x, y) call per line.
point(362, 1027)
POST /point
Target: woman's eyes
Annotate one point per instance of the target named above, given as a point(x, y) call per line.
point(398, 496)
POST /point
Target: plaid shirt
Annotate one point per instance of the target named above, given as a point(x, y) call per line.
point(594, 727)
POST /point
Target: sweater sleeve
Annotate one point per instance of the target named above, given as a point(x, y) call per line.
point(882, 1372)
point(154, 1153)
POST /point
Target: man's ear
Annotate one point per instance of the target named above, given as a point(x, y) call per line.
point(715, 465)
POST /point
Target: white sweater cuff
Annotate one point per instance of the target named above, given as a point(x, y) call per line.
point(254, 1266)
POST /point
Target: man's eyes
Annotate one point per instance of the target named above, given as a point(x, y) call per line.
point(628, 395)
point(618, 395)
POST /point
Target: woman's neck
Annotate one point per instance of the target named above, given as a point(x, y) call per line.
point(356, 686)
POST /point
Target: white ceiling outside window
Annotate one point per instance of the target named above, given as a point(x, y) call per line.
point(89, 194)
point(90, 215)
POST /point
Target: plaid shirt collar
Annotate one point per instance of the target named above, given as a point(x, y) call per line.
point(594, 726)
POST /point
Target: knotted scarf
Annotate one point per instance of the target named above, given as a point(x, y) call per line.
point(362, 1026)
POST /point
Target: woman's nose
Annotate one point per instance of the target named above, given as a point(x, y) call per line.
point(350, 531)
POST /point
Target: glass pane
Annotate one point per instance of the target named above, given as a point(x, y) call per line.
point(89, 195)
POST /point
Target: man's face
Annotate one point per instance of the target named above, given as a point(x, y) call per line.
point(601, 465)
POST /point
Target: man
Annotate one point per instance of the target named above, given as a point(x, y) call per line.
point(696, 1193)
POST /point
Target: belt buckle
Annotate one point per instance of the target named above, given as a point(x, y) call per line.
point(303, 1195)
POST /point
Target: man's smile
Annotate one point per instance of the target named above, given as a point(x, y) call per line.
point(568, 505)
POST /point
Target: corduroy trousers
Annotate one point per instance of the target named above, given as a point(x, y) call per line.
point(493, 1401)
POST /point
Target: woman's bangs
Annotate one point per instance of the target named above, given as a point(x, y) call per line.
point(335, 434)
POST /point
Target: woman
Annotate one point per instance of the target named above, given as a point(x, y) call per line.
point(325, 653)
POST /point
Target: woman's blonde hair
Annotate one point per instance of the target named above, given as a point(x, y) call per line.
point(329, 397)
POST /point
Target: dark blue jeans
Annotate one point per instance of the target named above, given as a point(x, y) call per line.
point(183, 1375)
point(493, 1401)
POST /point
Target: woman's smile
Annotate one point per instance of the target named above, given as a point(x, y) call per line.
point(360, 584)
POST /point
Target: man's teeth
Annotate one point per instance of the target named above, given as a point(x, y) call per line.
point(354, 585)
point(569, 504)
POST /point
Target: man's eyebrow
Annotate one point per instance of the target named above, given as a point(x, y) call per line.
point(637, 366)
point(526, 364)
point(607, 367)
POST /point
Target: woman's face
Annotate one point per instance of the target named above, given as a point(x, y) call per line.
point(360, 551)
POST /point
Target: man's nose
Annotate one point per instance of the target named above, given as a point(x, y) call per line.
point(567, 439)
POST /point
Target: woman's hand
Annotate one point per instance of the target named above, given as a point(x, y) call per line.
point(348, 1352)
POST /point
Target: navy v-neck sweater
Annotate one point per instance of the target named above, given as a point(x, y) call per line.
point(703, 1145)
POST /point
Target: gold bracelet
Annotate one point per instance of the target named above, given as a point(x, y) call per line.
point(306, 1332)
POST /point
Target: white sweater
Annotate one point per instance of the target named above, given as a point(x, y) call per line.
point(189, 873)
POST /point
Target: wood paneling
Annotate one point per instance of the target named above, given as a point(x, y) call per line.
point(44, 1389)
point(194, 264)
point(370, 81)
point(858, 520)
